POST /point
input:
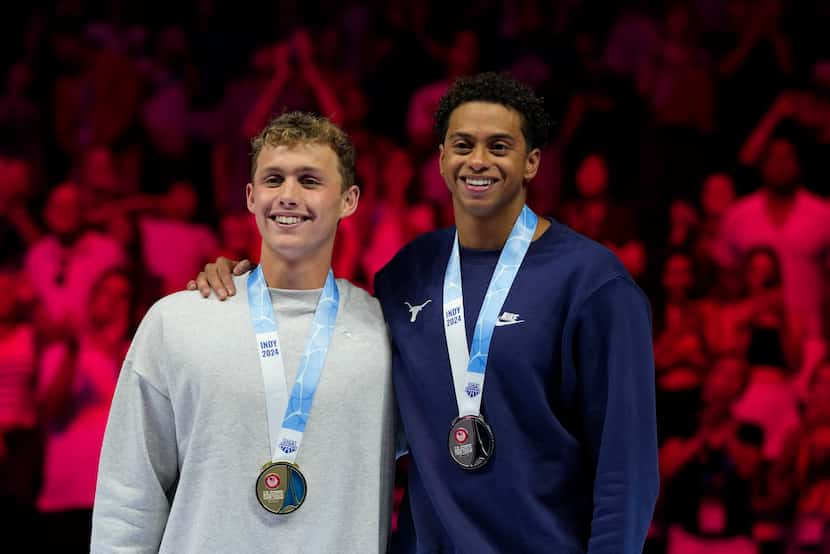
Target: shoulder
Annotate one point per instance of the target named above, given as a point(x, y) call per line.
point(183, 321)
point(188, 307)
point(580, 266)
point(576, 253)
point(357, 303)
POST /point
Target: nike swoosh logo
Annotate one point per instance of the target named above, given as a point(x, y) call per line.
point(500, 323)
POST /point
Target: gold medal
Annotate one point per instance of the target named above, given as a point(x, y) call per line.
point(281, 487)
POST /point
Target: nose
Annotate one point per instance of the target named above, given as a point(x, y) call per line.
point(478, 159)
point(289, 192)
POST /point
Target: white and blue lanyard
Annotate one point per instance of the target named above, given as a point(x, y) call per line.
point(468, 370)
point(286, 435)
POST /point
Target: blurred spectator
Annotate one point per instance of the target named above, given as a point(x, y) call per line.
point(677, 332)
point(709, 477)
point(771, 347)
point(396, 220)
point(101, 189)
point(809, 109)
point(677, 88)
point(21, 446)
point(793, 223)
point(675, 80)
point(716, 196)
point(96, 100)
point(175, 247)
point(595, 215)
point(632, 43)
point(683, 225)
point(679, 350)
point(63, 265)
point(772, 339)
point(18, 229)
point(802, 475)
point(719, 287)
point(148, 288)
point(165, 115)
point(76, 384)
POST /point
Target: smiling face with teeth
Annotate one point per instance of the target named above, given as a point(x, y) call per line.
point(486, 162)
point(297, 199)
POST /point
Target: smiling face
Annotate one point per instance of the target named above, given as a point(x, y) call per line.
point(297, 198)
point(485, 161)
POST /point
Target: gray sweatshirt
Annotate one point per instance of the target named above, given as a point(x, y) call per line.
point(187, 434)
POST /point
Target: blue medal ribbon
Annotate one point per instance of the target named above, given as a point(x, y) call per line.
point(468, 368)
point(286, 434)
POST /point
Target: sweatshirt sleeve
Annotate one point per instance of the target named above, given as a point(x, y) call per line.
point(138, 469)
point(614, 364)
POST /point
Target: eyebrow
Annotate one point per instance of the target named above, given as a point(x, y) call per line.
point(298, 170)
point(497, 136)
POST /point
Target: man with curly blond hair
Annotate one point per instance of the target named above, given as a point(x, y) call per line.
point(264, 423)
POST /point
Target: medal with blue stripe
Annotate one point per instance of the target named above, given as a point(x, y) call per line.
point(281, 487)
point(471, 441)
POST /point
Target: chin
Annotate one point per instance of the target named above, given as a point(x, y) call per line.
point(480, 207)
point(287, 250)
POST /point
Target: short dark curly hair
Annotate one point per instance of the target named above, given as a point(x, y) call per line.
point(498, 88)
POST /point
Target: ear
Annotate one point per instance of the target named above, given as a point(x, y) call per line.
point(532, 164)
point(349, 200)
point(441, 159)
point(249, 196)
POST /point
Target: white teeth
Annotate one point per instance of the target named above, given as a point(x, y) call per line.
point(478, 182)
point(288, 220)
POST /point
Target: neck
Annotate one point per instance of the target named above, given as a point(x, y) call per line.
point(300, 274)
point(488, 231)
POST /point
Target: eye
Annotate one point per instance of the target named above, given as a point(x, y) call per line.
point(309, 181)
point(500, 148)
point(273, 180)
point(462, 147)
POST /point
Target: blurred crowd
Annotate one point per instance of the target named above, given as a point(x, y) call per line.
point(692, 139)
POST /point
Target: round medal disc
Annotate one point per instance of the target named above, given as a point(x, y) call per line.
point(280, 487)
point(471, 441)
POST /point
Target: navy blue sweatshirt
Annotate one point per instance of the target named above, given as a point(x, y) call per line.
point(569, 394)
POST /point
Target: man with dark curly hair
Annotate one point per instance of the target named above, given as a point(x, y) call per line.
point(557, 450)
